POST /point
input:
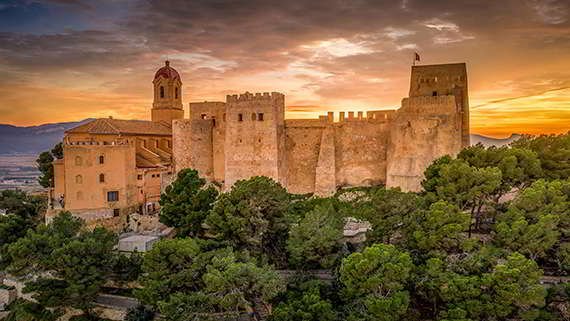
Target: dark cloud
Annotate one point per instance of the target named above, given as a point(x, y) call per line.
point(321, 51)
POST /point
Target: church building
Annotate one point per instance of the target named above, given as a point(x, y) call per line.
point(114, 167)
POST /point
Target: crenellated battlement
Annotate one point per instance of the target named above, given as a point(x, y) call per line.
point(369, 115)
point(247, 96)
point(429, 100)
point(431, 104)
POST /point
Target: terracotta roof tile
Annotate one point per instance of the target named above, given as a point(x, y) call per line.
point(142, 162)
point(123, 127)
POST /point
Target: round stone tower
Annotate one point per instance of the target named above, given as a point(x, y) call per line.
point(167, 104)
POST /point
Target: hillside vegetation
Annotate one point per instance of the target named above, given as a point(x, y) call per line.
point(473, 245)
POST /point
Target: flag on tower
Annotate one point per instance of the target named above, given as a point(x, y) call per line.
point(417, 57)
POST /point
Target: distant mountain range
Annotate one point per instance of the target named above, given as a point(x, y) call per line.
point(36, 139)
point(33, 139)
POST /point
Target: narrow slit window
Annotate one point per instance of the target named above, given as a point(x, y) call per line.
point(161, 92)
point(176, 93)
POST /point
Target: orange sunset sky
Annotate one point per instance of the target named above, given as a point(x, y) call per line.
point(66, 60)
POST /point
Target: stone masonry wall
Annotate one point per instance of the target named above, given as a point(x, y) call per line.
point(325, 173)
point(216, 111)
point(424, 129)
point(303, 140)
point(254, 136)
point(442, 80)
point(361, 152)
point(320, 155)
point(354, 155)
point(192, 146)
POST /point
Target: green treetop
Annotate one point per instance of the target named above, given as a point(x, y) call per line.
point(186, 203)
point(316, 241)
point(375, 283)
point(253, 217)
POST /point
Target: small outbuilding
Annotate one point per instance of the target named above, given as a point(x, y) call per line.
point(138, 243)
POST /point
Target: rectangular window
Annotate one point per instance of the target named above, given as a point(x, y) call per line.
point(116, 212)
point(139, 177)
point(240, 117)
point(112, 196)
point(260, 116)
point(203, 116)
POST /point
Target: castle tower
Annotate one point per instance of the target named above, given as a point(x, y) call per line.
point(167, 104)
point(255, 137)
point(443, 80)
point(433, 121)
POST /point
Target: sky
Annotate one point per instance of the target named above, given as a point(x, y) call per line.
point(66, 60)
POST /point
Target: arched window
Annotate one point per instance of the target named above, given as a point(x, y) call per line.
point(101, 159)
point(79, 196)
point(78, 179)
point(101, 178)
point(78, 160)
point(176, 93)
point(161, 92)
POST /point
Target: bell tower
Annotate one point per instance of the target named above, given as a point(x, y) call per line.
point(167, 104)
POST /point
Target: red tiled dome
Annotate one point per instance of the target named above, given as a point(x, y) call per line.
point(167, 72)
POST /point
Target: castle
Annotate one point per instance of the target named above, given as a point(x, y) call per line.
point(113, 167)
point(248, 135)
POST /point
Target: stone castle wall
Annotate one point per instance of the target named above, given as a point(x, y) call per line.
point(424, 129)
point(303, 141)
point(441, 80)
point(361, 152)
point(326, 155)
point(248, 136)
point(192, 146)
point(254, 137)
